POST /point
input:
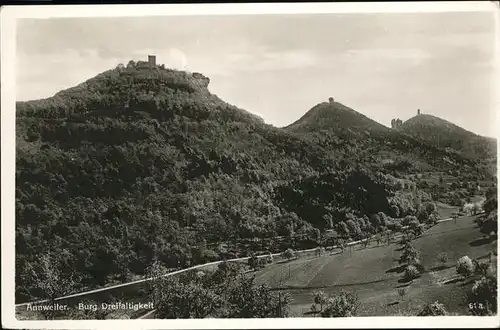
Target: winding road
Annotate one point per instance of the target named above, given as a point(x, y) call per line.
point(120, 288)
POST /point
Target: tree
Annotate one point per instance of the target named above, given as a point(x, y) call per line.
point(345, 304)
point(288, 254)
point(442, 258)
point(341, 244)
point(434, 309)
point(411, 273)
point(395, 211)
point(375, 221)
point(402, 292)
point(354, 228)
point(388, 234)
point(491, 203)
point(366, 239)
point(50, 280)
point(482, 298)
point(465, 267)
point(409, 254)
point(409, 219)
point(476, 208)
point(187, 300)
point(383, 219)
point(320, 299)
point(251, 301)
point(253, 262)
point(415, 227)
point(481, 268)
point(314, 309)
point(156, 273)
point(269, 259)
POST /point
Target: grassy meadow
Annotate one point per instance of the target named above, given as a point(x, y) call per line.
point(375, 275)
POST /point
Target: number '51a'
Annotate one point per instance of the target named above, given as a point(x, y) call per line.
point(476, 306)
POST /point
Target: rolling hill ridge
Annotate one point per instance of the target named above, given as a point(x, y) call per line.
point(145, 162)
point(445, 134)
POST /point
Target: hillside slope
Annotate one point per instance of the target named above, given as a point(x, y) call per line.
point(445, 134)
point(139, 162)
point(348, 134)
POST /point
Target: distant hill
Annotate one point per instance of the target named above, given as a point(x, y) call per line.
point(334, 116)
point(445, 134)
point(348, 134)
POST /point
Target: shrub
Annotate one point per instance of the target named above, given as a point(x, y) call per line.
point(481, 268)
point(417, 264)
point(409, 219)
point(482, 298)
point(395, 212)
point(253, 262)
point(418, 230)
point(288, 254)
point(442, 258)
point(314, 309)
point(465, 266)
point(402, 292)
point(411, 273)
point(342, 305)
point(320, 299)
point(409, 254)
point(434, 309)
point(319, 251)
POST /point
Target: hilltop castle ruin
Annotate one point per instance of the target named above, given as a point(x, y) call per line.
point(396, 122)
point(152, 60)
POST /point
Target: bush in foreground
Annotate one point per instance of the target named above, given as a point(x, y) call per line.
point(320, 298)
point(483, 297)
point(345, 304)
point(465, 267)
point(434, 309)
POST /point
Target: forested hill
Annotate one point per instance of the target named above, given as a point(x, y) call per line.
point(349, 134)
point(140, 162)
point(445, 134)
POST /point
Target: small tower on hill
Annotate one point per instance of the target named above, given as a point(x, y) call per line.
point(152, 61)
point(330, 99)
point(418, 111)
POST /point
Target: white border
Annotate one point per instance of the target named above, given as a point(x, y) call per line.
point(8, 18)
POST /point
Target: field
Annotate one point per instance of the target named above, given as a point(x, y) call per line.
point(374, 273)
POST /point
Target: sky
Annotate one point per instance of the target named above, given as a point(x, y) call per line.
point(280, 66)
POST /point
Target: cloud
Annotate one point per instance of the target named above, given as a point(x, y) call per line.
point(262, 60)
point(407, 56)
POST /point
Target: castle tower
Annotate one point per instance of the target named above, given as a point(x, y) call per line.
point(152, 61)
point(418, 111)
point(330, 99)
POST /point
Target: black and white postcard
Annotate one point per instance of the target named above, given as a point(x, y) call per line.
point(323, 165)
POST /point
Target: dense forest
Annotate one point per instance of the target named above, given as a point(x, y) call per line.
point(139, 163)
